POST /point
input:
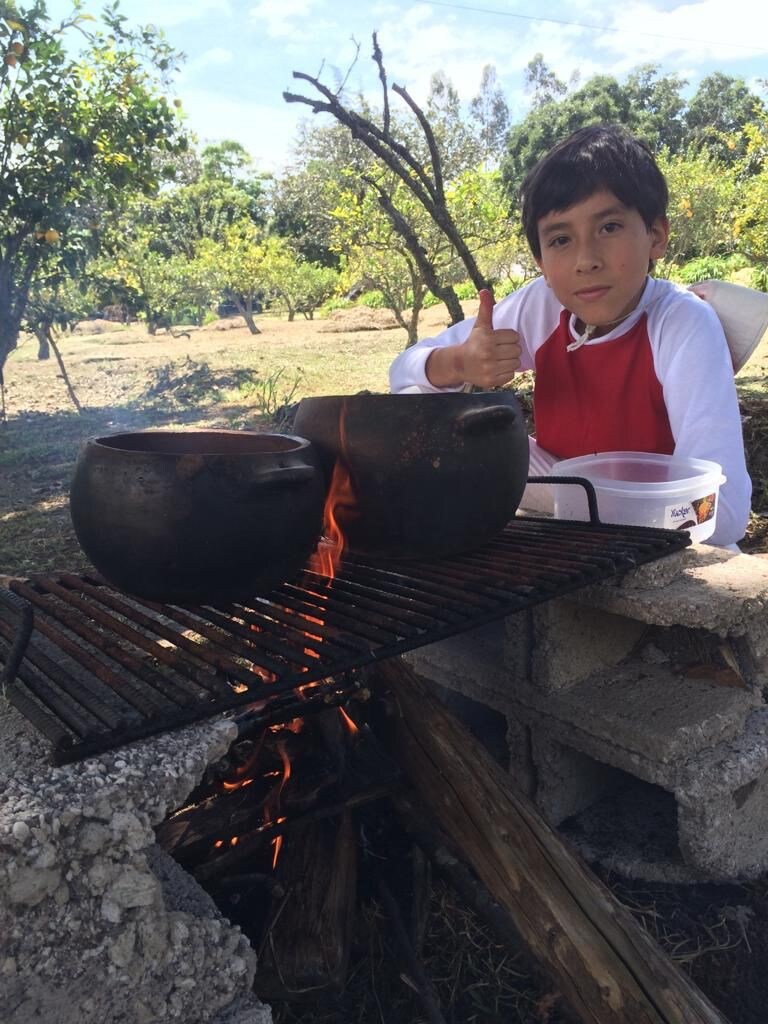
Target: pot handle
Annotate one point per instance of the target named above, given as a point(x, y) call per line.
point(285, 476)
point(487, 418)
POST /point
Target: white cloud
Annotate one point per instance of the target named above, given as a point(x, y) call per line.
point(217, 56)
point(695, 32)
point(173, 12)
point(267, 132)
point(284, 19)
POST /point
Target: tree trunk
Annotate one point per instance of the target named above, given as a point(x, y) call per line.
point(9, 336)
point(419, 291)
point(64, 374)
point(43, 348)
point(246, 309)
point(606, 966)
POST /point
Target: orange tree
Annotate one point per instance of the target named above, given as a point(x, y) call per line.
point(80, 133)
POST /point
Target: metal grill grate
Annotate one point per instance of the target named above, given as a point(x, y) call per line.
point(102, 669)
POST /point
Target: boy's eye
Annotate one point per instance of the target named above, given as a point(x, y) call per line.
point(557, 242)
point(611, 227)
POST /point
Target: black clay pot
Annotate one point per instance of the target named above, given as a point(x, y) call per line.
point(197, 516)
point(432, 475)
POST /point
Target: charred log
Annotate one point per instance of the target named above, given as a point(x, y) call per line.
point(307, 942)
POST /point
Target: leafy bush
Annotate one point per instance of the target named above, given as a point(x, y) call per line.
point(332, 304)
point(710, 268)
point(507, 286)
point(760, 278)
point(465, 291)
point(373, 300)
point(272, 393)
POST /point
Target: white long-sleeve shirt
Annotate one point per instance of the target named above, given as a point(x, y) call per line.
point(662, 380)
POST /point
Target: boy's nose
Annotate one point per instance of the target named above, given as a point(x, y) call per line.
point(587, 259)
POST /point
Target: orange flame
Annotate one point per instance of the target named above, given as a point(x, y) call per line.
point(353, 729)
point(340, 501)
point(277, 843)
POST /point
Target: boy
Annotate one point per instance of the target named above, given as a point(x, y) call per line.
point(623, 361)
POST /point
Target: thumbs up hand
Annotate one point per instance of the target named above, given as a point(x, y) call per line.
point(488, 358)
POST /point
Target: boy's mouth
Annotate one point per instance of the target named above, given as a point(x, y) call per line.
point(592, 294)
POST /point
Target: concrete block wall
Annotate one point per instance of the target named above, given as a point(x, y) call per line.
point(593, 692)
point(97, 925)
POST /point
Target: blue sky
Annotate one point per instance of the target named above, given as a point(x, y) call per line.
point(240, 53)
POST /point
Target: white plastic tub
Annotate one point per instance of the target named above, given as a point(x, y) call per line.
point(643, 489)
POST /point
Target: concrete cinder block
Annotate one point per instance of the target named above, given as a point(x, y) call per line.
point(567, 781)
point(720, 792)
point(640, 714)
point(724, 593)
point(723, 805)
point(572, 642)
point(481, 663)
point(521, 766)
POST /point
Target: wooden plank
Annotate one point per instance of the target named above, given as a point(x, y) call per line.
point(607, 968)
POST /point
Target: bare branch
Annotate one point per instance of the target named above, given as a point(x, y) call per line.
point(341, 88)
point(429, 135)
point(379, 60)
point(428, 190)
point(445, 293)
point(384, 146)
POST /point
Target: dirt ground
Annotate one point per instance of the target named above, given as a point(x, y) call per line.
point(222, 376)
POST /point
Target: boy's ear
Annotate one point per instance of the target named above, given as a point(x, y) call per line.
point(659, 232)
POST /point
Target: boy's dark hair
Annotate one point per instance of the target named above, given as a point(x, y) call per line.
point(601, 156)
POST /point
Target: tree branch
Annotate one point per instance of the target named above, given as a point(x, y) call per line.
point(430, 191)
point(379, 60)
point(429, 135)
point(444, 292)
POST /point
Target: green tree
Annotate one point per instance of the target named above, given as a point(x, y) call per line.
point(297, 286)
point(656, 105)
point(165, 289)
point(542, 82)
point(237, 264)
point(459, 146)
point(751, 225)
point(303, 199)
point(376, 253)
point(718, 111)
point(491, 114)
point(601, 99)
point(702, 198)
point(176, 220)
point(79, 134)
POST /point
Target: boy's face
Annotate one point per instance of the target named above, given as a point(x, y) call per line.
point(595, 256)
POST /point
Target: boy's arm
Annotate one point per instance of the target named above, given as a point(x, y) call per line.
point(472, 352)
point(695, 370)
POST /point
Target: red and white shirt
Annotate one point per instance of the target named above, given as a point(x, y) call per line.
point(660, 381)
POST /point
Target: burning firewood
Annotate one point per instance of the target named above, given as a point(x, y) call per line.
point(307, 942)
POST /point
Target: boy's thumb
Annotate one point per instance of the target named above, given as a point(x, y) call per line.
point(484, 316)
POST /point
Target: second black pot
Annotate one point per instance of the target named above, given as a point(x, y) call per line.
point(432, 475)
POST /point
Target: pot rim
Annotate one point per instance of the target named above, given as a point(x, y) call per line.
point(182, 442)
